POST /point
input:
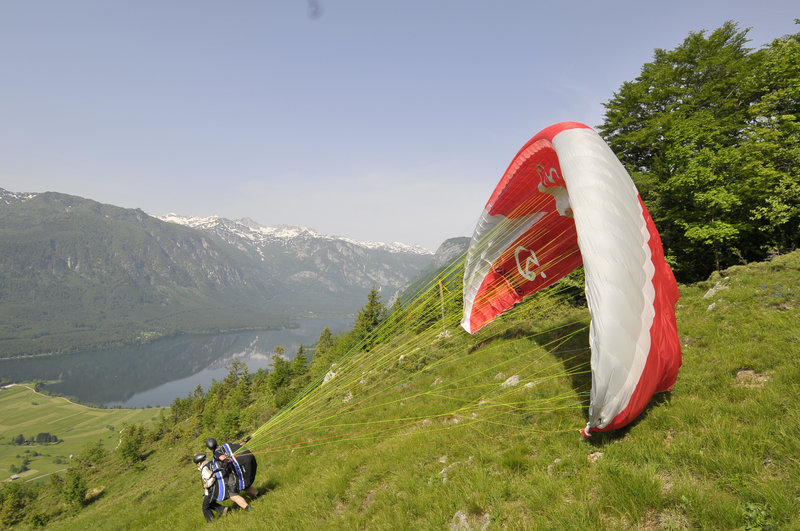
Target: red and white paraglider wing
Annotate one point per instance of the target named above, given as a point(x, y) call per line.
point(525, 239)
point(593, 213)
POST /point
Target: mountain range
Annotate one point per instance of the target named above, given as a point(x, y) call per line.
point(76, 274)
point(317, 273)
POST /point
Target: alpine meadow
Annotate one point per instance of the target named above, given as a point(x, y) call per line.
point(406, 421)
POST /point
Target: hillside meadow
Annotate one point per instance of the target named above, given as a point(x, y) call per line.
point(442, 435)
point(26, 412)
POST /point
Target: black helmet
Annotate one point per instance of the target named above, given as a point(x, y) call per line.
point(199, 458)
point(211, 443)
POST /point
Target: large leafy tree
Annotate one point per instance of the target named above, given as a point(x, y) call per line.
point(706, 130)
point(770, 155)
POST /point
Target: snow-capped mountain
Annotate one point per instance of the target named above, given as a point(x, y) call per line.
point(247, 229)
point(315, 266)
point(10, 198)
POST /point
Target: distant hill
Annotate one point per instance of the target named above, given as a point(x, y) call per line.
point(76, 274)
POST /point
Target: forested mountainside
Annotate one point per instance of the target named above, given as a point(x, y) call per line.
point(76, 274)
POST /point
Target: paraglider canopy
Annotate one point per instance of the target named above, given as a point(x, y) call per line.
point(564, 200)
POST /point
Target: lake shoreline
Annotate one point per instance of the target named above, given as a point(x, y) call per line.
point(150, 340)
point(154, 374)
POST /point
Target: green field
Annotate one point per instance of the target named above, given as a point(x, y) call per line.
point(24, 411)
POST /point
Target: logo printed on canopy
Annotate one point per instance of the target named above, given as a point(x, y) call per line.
point(526, 262)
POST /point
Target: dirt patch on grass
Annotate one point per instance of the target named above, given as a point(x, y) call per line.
point(668, 519)
point(369, 499)
point(668, 438)
point(666, 483)
point(689, 341)
point(750, 379)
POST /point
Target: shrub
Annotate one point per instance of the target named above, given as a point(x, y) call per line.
point(91, 453)
point(74, 488)
point(38, 520)
point(130, 447)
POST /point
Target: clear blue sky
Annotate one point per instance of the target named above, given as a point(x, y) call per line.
point(375, 120)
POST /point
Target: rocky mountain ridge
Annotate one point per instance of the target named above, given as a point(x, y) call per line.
point(313, 266)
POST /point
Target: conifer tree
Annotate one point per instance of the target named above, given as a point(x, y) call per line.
point(372, 314)
point(300, 362)
point(368, 319)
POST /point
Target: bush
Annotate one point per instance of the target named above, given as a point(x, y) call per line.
point(13, 499)
point(91, 453)
point(130, 447)
point(229, 424)
point(74, 488)
point(38, 520)
point(283, 396)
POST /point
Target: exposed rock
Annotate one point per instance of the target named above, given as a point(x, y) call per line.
point(716, 289)
point(446, 470)
point(463, 521)
point(551, 468)
point(594, 456)
point(513, 381)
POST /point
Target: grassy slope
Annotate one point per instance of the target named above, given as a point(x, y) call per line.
point(24, 411)
point(719, 451)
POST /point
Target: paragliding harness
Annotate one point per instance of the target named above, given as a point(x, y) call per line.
point(232, 462)
point(218, 491)
point(239, 461)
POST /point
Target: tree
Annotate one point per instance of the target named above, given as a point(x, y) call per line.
point(91, 453)
point(45, 437)
point(236, 386)
point(324, 343)
point(12, 504)
point(324, 351)
point(300, 362)
point(281, 372)
point(771, 153)
point(229, 424)
point(709, 131)
point(130, 445)
point(74, 488)
point(368, 318)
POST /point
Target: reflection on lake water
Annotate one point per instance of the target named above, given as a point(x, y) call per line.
point(157, 373)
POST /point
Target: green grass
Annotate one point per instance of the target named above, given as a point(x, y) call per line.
point(24, 411)
point(434, 441)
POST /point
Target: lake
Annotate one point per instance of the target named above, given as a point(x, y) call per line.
point(156, 373)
